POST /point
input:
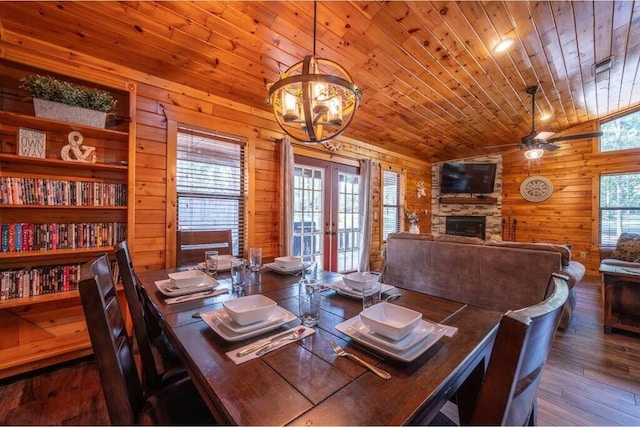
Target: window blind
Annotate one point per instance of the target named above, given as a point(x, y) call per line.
point(390, 203)
point(211, 183)
point(618, 207)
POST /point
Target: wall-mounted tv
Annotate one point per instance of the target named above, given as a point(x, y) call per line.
point(472, 178)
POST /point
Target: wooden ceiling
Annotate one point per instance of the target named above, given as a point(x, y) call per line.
point(433, 89)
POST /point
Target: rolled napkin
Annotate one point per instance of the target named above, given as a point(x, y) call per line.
point(258, 350)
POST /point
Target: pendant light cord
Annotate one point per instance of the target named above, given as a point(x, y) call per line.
point(315, 6)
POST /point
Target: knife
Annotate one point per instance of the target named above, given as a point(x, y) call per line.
point(294, 336)
point(209, 293)
point(259, 345)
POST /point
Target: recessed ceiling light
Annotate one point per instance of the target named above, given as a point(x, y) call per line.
point(503, 45)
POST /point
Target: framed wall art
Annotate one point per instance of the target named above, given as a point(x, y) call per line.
point(31, 143)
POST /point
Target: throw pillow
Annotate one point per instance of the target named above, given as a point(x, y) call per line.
point(627, 248)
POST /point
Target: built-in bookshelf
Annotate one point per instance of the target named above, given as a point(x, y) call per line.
point(57, 214)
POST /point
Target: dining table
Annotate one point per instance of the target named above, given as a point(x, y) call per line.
point(306, 382)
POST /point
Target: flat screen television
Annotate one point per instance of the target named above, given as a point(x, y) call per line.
point(472, 178)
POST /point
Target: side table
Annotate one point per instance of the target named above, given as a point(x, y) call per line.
point(621, 298)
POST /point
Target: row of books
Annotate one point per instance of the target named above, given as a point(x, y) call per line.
point(41, 280)
point(54, 192)
point(21, 237)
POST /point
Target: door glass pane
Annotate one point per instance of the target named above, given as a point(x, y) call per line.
point(348, 222)
point(307, 211)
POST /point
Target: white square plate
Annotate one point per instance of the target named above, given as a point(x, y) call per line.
point(279, 269)
point(167, 288)
point(212, 319)
point(274, 317)
point(416, 345)
point(345, 290)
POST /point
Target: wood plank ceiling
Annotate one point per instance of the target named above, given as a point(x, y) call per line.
point(433, 88)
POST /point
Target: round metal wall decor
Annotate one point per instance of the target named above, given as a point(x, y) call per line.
point(536, 189)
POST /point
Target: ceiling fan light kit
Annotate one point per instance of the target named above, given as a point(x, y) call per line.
point(534, 153)
point(315, 99)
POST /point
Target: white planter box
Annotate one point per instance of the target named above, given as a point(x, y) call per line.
point(68, 113)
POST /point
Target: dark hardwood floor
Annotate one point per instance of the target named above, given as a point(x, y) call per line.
point(590, 379)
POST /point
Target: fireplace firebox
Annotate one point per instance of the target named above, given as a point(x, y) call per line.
point(470, 226)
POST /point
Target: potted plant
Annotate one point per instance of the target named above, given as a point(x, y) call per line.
point(68, 102)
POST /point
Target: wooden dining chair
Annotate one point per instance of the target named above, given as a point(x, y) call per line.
point(127, 403)
point(508, 394)
point(191, 245)
point(160, 365)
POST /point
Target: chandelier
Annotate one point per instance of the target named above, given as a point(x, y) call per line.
point(315, 99)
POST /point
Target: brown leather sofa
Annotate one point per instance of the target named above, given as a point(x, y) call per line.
point(499, 276)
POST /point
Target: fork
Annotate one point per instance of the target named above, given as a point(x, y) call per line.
point(342, 352)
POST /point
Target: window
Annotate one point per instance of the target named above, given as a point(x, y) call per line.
point(619, 206)
point(621, 133)
point(211, 183)
point(390, 203)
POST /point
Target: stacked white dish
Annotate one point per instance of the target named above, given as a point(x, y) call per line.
point(340, 287)
point(185, 283)
point(288, 262)
point(249, 309)
point(392, 330)
point(389, 320)
point(256, 314)
point(187, 279)
point(360, 280)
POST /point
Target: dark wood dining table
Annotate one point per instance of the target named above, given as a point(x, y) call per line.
point(306, 383)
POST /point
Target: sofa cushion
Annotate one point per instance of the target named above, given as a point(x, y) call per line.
point(563, 250)
point(627, 248)
point(574, 271)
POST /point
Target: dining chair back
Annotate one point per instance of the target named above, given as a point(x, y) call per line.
point(153, 351)
point(175, 404)
point(509, 389)
point(114, 357)
point(191, 245)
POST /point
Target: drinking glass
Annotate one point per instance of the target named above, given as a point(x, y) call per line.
point(238, 274)
point(211, 263)
point(309, 301)
point(309, 268)
point(372, 290)
point(255, 259)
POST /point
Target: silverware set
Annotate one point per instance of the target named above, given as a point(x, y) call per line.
point(343, 353)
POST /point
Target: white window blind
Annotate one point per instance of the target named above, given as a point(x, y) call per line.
point(390, 203)
point(619, 207)
point(211, 183)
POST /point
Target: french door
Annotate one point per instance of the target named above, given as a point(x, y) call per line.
point(326, 213)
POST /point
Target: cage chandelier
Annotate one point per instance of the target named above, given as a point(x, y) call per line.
point(315, 99)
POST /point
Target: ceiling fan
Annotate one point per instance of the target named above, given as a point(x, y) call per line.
point(536, 142)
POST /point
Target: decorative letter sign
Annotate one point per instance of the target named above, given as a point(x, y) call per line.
point(31, 143)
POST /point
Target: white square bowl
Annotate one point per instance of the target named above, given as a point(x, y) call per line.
point(187, 279)
point(249, 309)
point(288, 261)
point(390, 320)
point(360, 280)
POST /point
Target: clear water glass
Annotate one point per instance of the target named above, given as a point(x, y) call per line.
point(372, 290)
point(211, 263)
point(309, 301)
point(238, 274)
point(255, 259)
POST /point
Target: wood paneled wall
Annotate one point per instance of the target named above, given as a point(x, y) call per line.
point(570, 214)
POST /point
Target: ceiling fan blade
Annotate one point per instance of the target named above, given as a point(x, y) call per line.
point(550, 147)
point(544, 135)
point(577, 136)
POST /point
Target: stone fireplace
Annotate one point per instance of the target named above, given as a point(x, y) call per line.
point(470, 226)
point(488, 208)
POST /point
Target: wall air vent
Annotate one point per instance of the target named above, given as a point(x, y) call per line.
point(602, 66)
